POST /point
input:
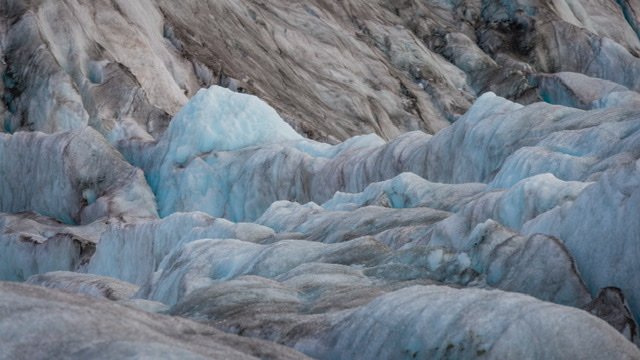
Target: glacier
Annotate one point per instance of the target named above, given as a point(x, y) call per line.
point(330, 233)
point(88, 179)
point(103, 330)
point(356, 180)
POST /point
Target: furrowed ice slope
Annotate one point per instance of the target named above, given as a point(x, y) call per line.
point(496, 142)
point(535, 199)
point(538, 265)
point(601, 230)
point(70, 64)
point(416, 214)
point(215, 158)
point(61, 325)
point(332, 70)
point(75, 177)
point(92, 285)
point(132, 252)
point(297, 292)
point(414, 322)
point(32, 244)
point(440, 322)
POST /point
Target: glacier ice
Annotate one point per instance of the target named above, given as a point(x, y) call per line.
point(204, 262)
point(497, 258)
point(440, 322)
point(611, 305)
point(48, 101)
point(218, 120)
point(142, 246)
point(73, 327)
point(407, 190)
point(264, 233)
point(213, 146)
point(604, 246)
point(75, 177)
point(143, 222)
point(338, 226)
point(92, 285)
point(583, 92)
point(454, 231)
point(33, 244)
point(497, 141)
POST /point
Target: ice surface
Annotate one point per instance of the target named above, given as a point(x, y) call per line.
point(336, 227)
point(204, 262)
point(407, 190)
point(75, 177)
point(32, 244)
point(132, 252)
point(440, 322)
point(583, 92)
point(497, 141)
point(218, 119)
point(92, 285)
point(537, 159)
point(78, 327)
point(385, 245)
point(600, 229)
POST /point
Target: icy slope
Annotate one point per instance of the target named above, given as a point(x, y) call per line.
point(92, 285)
point(333, 70)
point(484, 239)
point(601, 230)
point(141, 247)
point(437, 322)
point(587, 145)
point(79, 327)
point(497, 142)
point(32, 244)
point(75, 177)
